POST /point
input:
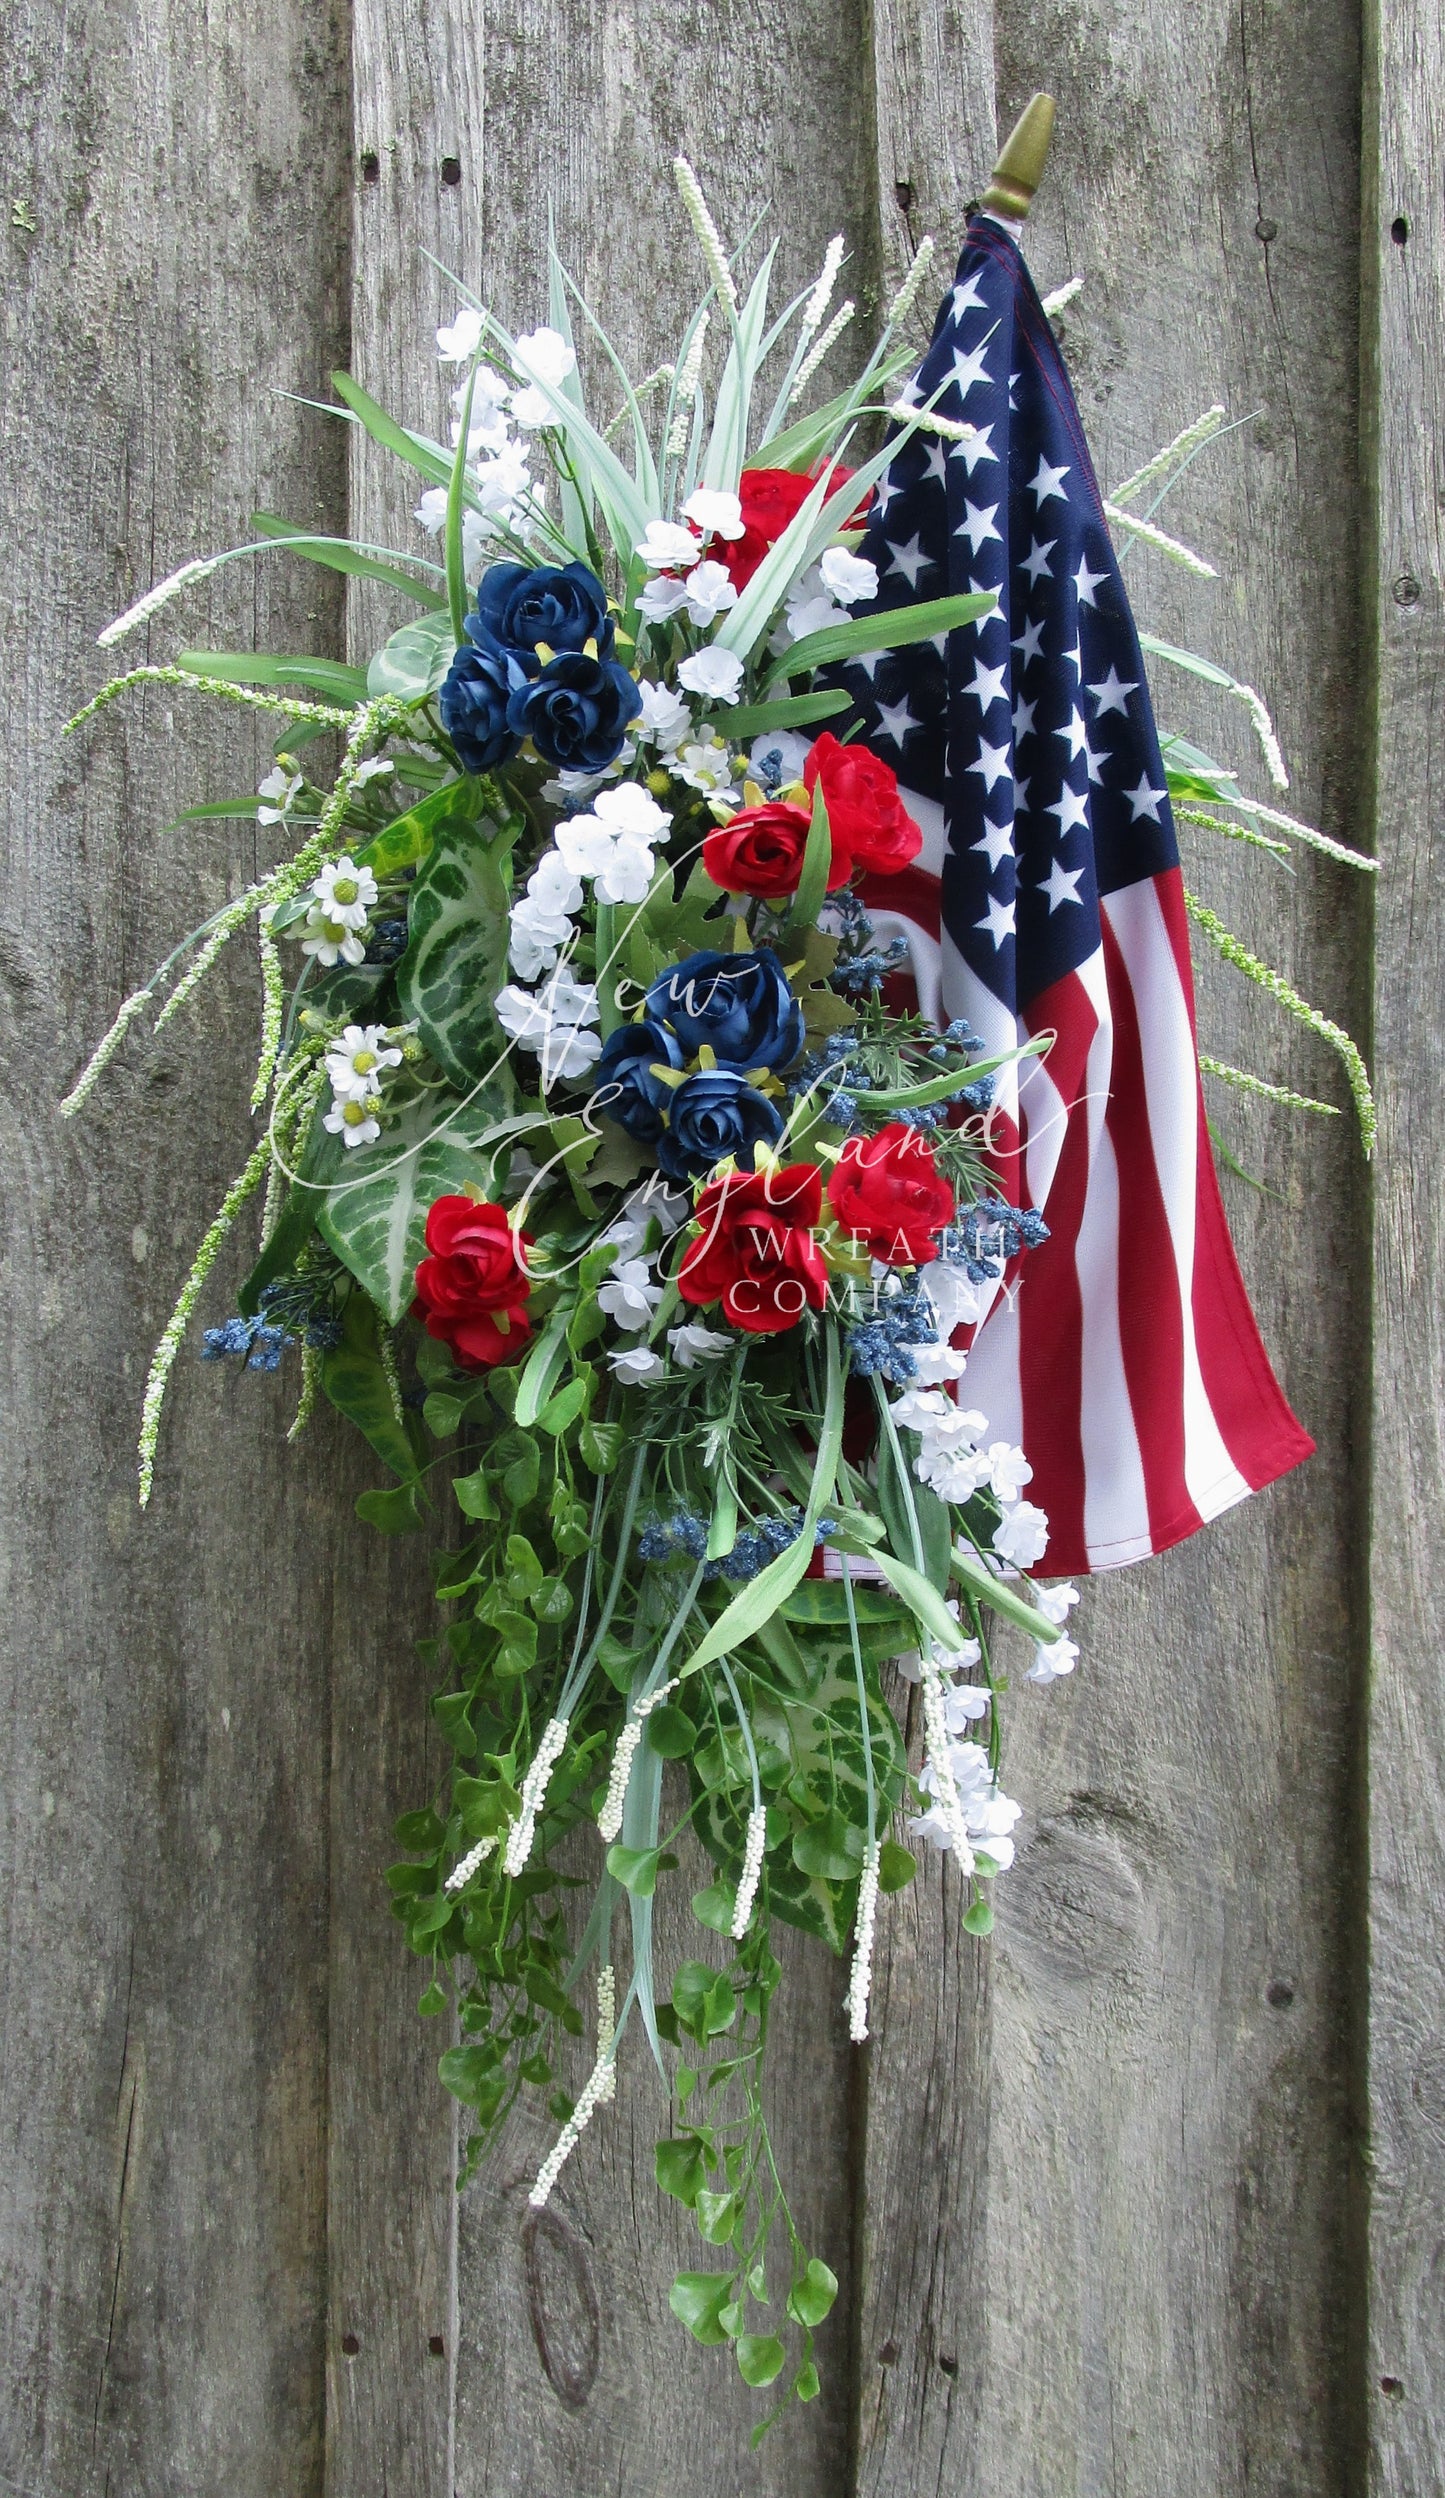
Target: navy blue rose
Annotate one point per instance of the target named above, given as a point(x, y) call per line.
point(712, 1115)
point(624, 1089)
point(576, 711)
point(476, 691)
point(737, 1005)
point(563, 606)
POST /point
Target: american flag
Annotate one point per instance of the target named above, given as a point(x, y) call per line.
point(1122, 1355)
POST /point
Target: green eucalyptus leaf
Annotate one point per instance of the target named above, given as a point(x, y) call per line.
point(635, 1868)
point(896, 1866)
point(696, 2299)
point(812, 2297)
point(979, 1918)
point(678, 2168)
point(760, 2358)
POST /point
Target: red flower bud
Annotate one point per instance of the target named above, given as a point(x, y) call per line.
point(888, 1193)
point(755, 1250)
point(868, 819)
point(472, 1291)
point(760, 851)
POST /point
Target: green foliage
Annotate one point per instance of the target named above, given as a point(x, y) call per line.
point(456, 956)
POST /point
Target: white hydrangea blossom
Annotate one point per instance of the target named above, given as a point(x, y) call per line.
point(715, 514)
point(1021, 1535)
point(669, 546)
point(553, 1022)
point(459, 339)
point(545, 356)
point(636, 1365)
point(540, 921)
point(612, 843)
point(664, 718)
point(715, 674)
point(693, 1343)
point(630, 1296)
point(851, 579)
point(708, 592)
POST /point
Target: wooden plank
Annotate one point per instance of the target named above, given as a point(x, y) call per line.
point(391, 2331)
point(1120, 2132)
point(172, 255)
point(1404, 282)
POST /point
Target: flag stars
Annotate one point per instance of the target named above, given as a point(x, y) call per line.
point(1092, 762)
point(894, 722)
point(1112, 692)
point(1062, 885)
point(1047, 482)
point(1036, 563)
point(1072, 658)
point(1086, 583)
point(992, 764)
point(935, 466)
point(1145, 801)
point(967, 371)
point(1071, 808)
point(887, 491)
point(1075, 732)
point(987, 685)
point(909, 559)
point(998, 920)
point(975, 448)
point(977, 525)
point(1023, 719)
point(1030, 642)
point(997, 843)
point(966, 298)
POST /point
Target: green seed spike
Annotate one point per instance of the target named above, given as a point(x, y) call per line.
point(242, 694)
point(162, 1360)
point(1237, 954)
point(310, 1389)
point(1243, 1082)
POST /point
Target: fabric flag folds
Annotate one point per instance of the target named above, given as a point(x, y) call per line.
point(1122, 1355)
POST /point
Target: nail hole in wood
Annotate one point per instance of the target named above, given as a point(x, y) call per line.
point(1280, 1993)
point(903, 193)
point(1400, 231)
point(451, 171)
point(370, 165)
point(1266, 229)
point(350, 2345)
point(888, 2353)
point(562, 2305)
point(948, 2363)
point(1405, 591)
point(1392, 2386)
point(437, 2347)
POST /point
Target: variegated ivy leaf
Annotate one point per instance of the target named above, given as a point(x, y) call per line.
point(374, 1216)
point(456, 957)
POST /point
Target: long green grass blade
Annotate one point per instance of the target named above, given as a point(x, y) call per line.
point(792, 711)
point(425, 458)
point(886, 632)
point(328, 677)
point(456, 505)
point(346, 556)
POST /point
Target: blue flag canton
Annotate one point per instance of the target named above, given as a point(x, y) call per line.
point(1033, 727)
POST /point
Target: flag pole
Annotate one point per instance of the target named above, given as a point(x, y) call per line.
point(1020, 167)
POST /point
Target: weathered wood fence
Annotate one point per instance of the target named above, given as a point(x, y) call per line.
point(1144, 2197)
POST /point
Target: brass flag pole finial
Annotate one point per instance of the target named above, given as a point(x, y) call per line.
point(1020, 167)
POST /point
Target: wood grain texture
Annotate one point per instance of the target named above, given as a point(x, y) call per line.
point(391, 2327)
point(1404, 292)
point(172, 256)
point(1122, 2129)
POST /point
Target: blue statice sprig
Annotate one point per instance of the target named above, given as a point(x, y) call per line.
point(259, 1343)
point(983, 1240)
point(881, 1346)
point(294, 1310)
point(683, 1537)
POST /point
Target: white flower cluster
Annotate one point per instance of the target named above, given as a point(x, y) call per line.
point(954, 1465)
point(534, 1795)
point(630, 1296)
point(554, 1023)
point(356, 1062)
point(497, 462)
point(968, 1812)
point(1054, 1658)
point(827, 591)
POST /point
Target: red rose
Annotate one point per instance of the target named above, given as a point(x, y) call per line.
point(472, 1291)
point(760, 850)
point(755, 1250)
point(866, 816)
point(770, 497)
point(887, 1193)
